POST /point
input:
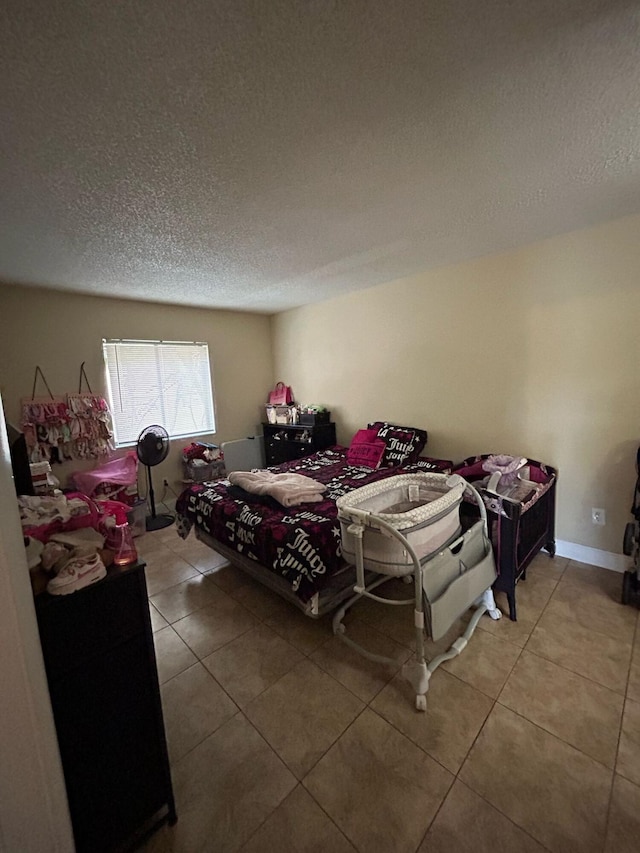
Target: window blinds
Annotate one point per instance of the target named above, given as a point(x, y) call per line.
point(159, 382)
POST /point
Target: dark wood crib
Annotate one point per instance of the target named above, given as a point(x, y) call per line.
point(521, 524)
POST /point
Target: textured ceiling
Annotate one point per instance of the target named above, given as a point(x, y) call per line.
point(263, 154)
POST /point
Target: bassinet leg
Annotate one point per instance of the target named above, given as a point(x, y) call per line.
point(490, 603)
point(418, 672)
point(418, 675)
point(455, 649)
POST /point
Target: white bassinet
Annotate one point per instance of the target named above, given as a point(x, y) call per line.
point(420, 506)
point(409, 525)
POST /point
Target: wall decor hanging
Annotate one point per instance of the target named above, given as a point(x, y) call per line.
point(69, 426)
point(89, 422)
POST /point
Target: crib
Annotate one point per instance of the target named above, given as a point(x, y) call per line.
point(409, 526)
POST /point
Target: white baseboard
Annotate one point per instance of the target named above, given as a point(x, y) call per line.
point(593, 556)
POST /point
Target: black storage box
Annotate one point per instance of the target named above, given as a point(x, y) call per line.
point(315, 418)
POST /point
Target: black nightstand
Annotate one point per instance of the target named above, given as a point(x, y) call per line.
point(285, 442)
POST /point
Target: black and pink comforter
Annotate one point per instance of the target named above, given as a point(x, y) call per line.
point(302, 543)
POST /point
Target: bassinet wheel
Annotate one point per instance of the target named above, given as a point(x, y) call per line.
point(421, 702)
point(629, 539)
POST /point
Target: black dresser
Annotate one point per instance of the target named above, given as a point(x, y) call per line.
point(284, 442)
point(100, 660)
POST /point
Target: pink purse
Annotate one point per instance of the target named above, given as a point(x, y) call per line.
point(281, 395)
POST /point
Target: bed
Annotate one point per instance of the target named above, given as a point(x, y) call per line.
point(297, 551)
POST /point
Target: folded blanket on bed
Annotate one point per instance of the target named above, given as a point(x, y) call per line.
point(287, 489)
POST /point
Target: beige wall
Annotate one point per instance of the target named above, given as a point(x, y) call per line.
point(533, 352)
point(33, 805)
point(58, 331)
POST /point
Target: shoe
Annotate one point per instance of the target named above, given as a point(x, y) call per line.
point(76, 574)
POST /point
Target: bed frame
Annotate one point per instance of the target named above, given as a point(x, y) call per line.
point(338, 589)
point(519, 533)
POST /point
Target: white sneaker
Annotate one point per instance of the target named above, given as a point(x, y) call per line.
point(76, 574)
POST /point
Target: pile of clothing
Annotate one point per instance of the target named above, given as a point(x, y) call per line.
point(38, 511)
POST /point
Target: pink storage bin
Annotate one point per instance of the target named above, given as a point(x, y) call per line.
point(122, 471)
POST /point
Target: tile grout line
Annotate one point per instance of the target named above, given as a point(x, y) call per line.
point(367, 705)
point(327, 750)
point(491, 805)
point(437, 812)
point(612, 771)
point(591, 680)
point(309, 794)
point(556, 737)
point(240, 711)
point(566, 668)
point(496, 702)
point(573, 672)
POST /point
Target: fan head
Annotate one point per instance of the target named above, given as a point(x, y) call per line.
point(153, 445)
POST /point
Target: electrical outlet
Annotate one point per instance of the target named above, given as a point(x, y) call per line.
point(598, 516)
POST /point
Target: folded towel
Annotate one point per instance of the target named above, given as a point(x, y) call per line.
point(287, 489)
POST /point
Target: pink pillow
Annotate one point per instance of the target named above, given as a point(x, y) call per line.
point(366, 449)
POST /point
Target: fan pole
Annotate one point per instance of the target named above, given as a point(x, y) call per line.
point(153, 521)
point(151, 494)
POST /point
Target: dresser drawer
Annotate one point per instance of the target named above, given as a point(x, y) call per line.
point(81, 626)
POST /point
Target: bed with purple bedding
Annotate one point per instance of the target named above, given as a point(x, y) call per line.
point(297, 550)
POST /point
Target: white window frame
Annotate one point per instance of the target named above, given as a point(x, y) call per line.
point(195, 418)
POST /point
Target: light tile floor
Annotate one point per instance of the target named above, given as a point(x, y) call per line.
point(283, 739)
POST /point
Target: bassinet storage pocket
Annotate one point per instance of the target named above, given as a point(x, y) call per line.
point(454, 578)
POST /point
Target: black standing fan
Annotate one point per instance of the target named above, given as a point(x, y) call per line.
point(152, 448)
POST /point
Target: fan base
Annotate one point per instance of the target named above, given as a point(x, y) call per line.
point(157, 522)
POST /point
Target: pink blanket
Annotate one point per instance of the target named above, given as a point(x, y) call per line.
point(287, 489)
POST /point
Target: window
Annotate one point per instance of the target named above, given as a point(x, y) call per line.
point(158, 382)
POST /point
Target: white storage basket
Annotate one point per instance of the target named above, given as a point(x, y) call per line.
point(422, 506)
